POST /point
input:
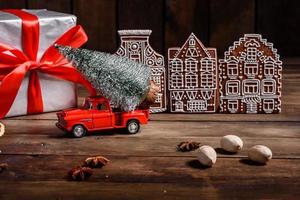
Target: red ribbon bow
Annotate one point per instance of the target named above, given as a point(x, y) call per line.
point(18, 63)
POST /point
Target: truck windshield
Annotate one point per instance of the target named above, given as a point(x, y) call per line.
point(87, 105)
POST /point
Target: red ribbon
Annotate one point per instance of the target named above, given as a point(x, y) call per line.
point(16, 64)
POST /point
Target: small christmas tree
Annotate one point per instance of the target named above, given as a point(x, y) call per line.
point(124, 82)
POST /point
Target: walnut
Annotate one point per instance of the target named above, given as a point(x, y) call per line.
point(80, 173)
point(3, 166)
point(207, 156)
point(188, 146)
point(260, 154)
point(2, 129)
point(96, 162)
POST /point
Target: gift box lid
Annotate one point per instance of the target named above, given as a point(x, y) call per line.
point(52, 26)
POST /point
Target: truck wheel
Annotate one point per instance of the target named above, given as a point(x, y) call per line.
point(78, 131)
point(133, 126)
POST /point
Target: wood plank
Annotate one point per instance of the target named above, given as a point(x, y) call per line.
point(229, 20)
point(146, 14)
point(291, 115)
point(291, 61)
point(184, 17)
point(59, 6)
point(227, 117)
point(146, 144)
point(29, 177)
point(149, 169)
point(198, 117)
point(284, 16)
point(13, 4)
point(98, 18)
point(94, 190)
point(167, 128)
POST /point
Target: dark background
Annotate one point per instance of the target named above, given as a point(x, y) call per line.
point(218, 23)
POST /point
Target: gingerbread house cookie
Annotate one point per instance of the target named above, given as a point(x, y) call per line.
point(135, 45)
point(193, 77)
point(250, 77)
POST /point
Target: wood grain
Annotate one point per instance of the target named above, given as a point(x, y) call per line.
point(147, 165)
point(145, 145)
point(132, 169)
point(138, 177)
point(182, 18)
point(218, 23)
point(59, 6)
point(136, 191)
point(230, 20)
point(291, 115)
point(170, 128)
point(284, 16)
point(99, 20)
point(146, 14)
point(12, 4)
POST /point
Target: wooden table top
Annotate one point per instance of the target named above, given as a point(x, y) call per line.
point(147, 165)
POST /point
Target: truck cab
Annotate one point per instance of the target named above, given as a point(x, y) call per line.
point(97, 114)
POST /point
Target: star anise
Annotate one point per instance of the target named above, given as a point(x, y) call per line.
point(188, 146)
point(3, 166)
point(80, 173)
point(96, 162)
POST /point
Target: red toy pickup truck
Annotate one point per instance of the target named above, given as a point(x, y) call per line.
point(97, 114)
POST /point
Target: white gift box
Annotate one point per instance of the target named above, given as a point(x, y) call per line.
point(57, 94)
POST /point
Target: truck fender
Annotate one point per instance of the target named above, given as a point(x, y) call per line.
point(73, 125)
point(132, 119)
